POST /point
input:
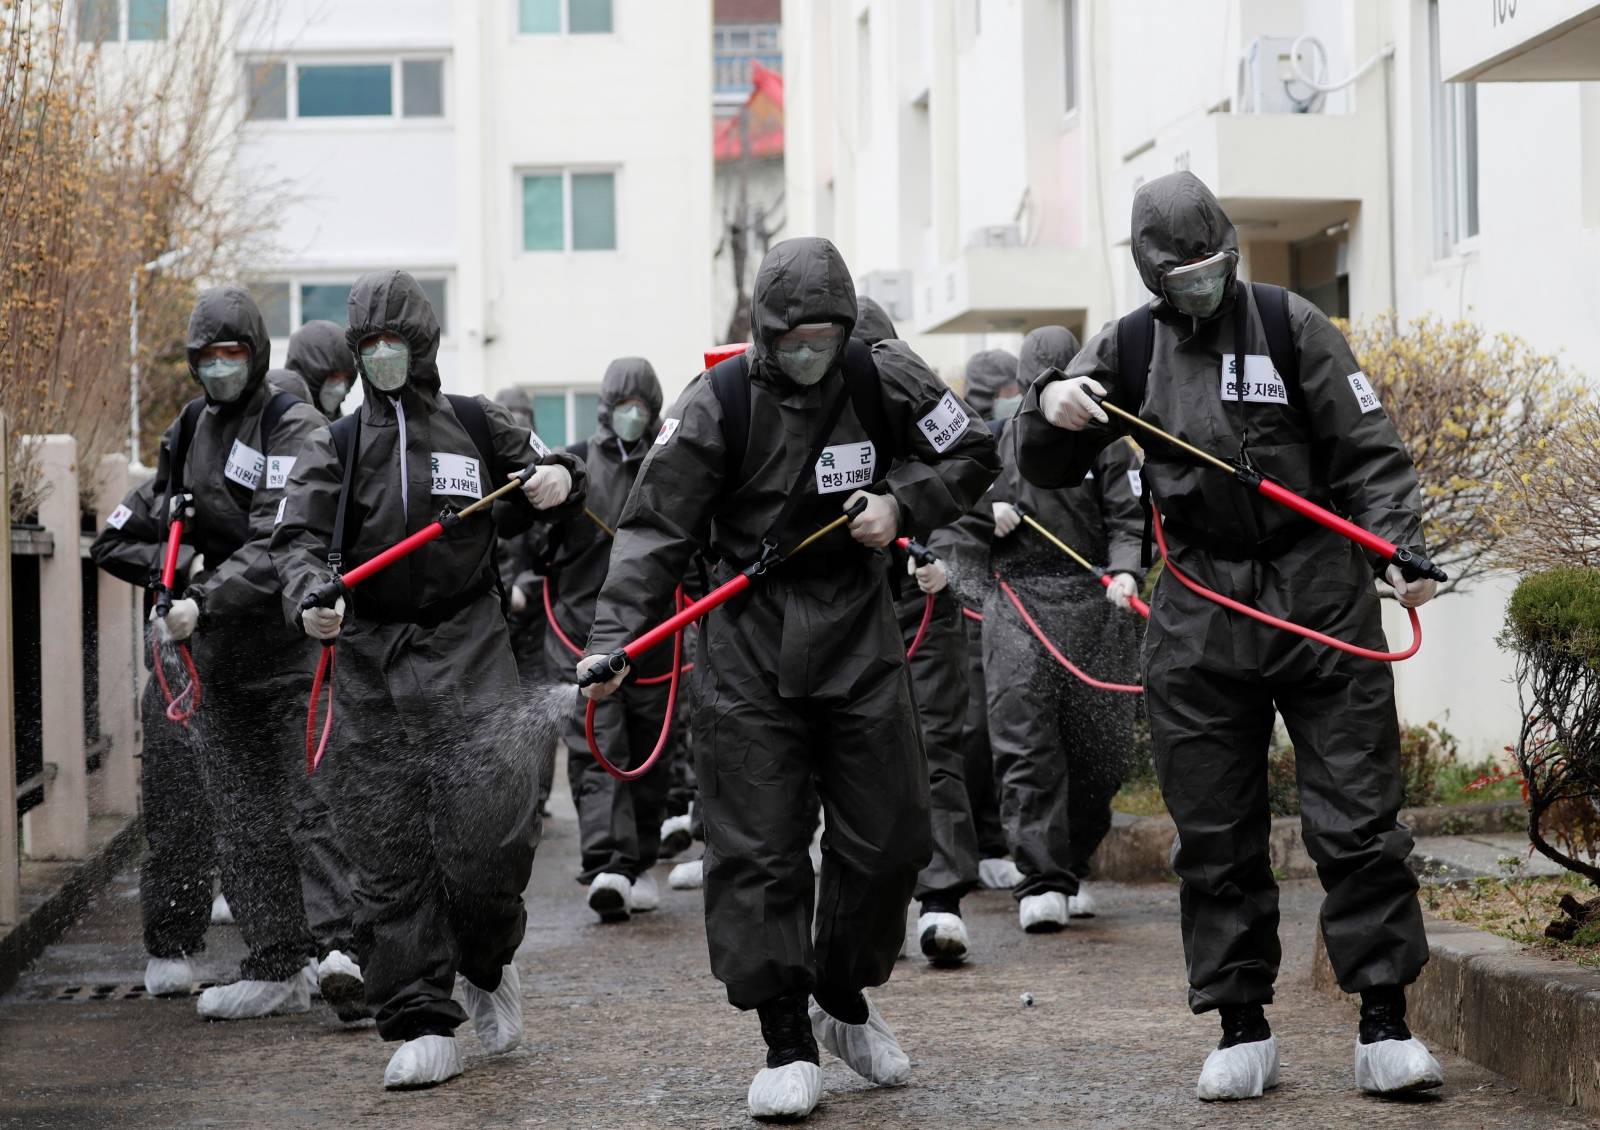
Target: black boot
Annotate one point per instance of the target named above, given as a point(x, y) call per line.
point(1383, 1014)
point(786, 1026)
point(1243, 1024)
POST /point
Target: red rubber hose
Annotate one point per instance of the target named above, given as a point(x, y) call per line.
point(1134, 602)
point(1072, 668)
point(1271, 621)
point(315, 748)
point(578, 652)
point(972, 614)
point(666, 722)
point(922, 628)
point(182, 706)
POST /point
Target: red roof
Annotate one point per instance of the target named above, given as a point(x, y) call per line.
point(765, 110)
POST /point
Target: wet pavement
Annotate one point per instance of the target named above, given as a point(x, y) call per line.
point(626, 1028)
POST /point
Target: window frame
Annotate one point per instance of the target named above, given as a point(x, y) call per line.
point(565, 31)
point(396, 118)
point(295, 281)
point(1072, 78)
point(124, 17)
point(566, 172)
point(569, 395)
point(1456, 203)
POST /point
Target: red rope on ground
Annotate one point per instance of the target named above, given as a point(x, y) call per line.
point(1038, 634)
point(1271, 621)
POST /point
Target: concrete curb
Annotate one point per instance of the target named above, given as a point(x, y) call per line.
point(55, 893)
point(1533, 1020)
point(1138, 849)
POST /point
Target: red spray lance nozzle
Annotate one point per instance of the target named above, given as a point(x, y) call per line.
point(918, 552)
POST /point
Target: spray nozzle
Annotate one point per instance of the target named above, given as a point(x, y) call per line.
point(1414, 566)
point(616, 663)
point(323, 596)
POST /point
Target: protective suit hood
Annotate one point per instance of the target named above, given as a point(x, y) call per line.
point(287, 380)
point(872, 323)
point(801, 281)
point(1048, 347)
point(1177, 219)
point(228, 313)
point(392, 302)
point(988, 371)
point(316, 351)
point(628, 378)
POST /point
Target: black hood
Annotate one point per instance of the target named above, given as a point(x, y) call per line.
point(317, 350)
point(872, 323)
point(287, 380)
point(1048, 347)
point(392, 302)
point(629, 378)
point(515, 400)
point(1176, 220)
point(801, 281)
point(228, 313)
point(988, 371)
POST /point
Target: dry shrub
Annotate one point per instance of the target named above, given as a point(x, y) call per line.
point(1552, 503)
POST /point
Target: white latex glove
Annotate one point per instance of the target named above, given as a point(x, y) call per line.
point(877, 525)
point(1410, 594)
point(519, 600)
point(1122, 589)
point(930, 578)
point(1006, 519)
point(606, 689)
point(548, 486)
point(181, 619)
point(197, 564)
point(1067, 404)
point(323, 623)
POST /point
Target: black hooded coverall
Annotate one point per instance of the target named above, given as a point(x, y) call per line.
point(281, 859)
point(1061, 747)
point(431, 766)
point(808, 677)
point(939, 684)
point(175, 873)
point(1213, 678)
point(619, 823)
point(317, 351)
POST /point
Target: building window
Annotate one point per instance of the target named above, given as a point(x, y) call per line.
point(735, 47)
point(1069, 54)
point(1455, 151)
point(287, 304)
point(113, 21)
point(564, 416)
point(569, 17)
point(278, 90)
point(563, 210)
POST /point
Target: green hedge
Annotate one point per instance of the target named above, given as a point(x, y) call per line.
point(1559, 609)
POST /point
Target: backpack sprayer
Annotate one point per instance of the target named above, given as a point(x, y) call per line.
point(180, 707)
point(1412, 566)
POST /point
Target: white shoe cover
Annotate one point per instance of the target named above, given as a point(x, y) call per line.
point(246, 1000)
point(221, 912)
point(1081, 905)
point(1240, 1072)
point(1043, 914)
point(1396, 1067)
point(313, 979)
point(790, 1091)
point(943, 937)
point(870, 1049)
point(341, 985)
point(496, 1016)
point(610, 895)
point(168, 977)
point(675, 835)
point(643, 895)
point(998, 874)
point(689, 876)
point(423, 1062)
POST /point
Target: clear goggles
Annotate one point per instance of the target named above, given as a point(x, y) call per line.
point(816, 336)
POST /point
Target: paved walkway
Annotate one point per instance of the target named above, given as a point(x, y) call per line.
point(626, 1028)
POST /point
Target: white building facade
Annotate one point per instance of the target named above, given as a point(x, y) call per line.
point(976, 159)
point(543, 167)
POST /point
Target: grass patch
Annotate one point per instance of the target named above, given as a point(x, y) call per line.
point(1518, 907)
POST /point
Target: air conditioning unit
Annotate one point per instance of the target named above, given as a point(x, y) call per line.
point(995, 235)
point(891, 290)
point(1266, 78)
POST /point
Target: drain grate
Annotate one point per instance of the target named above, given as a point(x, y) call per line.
point(80, 994)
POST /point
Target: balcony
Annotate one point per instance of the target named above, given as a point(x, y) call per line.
point(1010, 290)
point(1552, 41)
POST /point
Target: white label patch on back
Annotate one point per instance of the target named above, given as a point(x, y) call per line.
point(846, 466)
point(1365, 397)
point(282, 504)
point(540, 447)
point(278, 468)
point(1262, 384)
point(669, 427)
point(245, 465)
point(1136, 483)
point(946, 423)
point(457, 475)
point(119, 517)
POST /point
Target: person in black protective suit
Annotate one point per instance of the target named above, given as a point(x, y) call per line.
point(939, 681)
point(1061, 748)
point(991, 387)
point(321, 357)
point(807, 676)
point(429, 766)
point(281, 860)
point(175, 873)
point(619, 822)
point(1213, 678)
